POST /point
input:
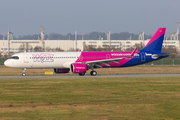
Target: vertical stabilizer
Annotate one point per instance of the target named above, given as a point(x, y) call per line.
point(155, 43)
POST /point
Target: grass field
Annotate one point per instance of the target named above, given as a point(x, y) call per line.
point(128, 70)
point(2, 61)
point(91, 99)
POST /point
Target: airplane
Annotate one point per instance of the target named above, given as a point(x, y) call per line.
point(80, 62)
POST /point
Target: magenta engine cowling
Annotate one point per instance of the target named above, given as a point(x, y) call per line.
point(78, 68)
point(61, 70)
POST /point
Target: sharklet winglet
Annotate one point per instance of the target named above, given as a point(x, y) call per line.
point(132, 54)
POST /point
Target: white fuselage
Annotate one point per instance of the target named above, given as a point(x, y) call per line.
point(42, 60)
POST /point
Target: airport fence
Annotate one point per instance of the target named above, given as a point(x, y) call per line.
point(171, 62)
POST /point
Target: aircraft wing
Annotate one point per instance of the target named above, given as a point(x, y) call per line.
point(106, 62)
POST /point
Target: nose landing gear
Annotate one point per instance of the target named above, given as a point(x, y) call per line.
point(24, 72)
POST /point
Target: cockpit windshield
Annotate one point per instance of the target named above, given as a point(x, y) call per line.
point(14, 57)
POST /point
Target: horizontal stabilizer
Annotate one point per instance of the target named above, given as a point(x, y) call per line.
point(160, 55)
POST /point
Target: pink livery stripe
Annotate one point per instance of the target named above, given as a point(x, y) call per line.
point(95, 56)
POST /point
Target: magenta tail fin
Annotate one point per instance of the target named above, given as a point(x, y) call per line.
point(155, 43)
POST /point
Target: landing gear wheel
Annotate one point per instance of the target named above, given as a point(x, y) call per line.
point(93, 73)
point(81, 74)
point(24, 74)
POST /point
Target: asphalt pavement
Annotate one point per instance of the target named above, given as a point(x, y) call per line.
point(88, 76)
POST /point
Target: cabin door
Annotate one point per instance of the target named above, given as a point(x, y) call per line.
point(143, 56)
point(108, 56)
point(26, 58)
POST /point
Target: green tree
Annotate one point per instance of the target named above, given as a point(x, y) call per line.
point(37, 49)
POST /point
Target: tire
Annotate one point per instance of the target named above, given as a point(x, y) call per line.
point(24, 74)
point(81, 74)
point(93, 73)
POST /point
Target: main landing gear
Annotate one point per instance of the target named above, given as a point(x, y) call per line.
point(81, 74)
point(24, 72)
point(93, 73)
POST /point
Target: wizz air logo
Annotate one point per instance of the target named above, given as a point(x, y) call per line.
point(43, 57)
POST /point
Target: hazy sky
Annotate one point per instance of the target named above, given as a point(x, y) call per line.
point(23, 17)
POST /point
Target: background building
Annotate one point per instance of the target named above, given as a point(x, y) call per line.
point(15, 46)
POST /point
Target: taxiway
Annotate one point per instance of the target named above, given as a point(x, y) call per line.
point(88, 76)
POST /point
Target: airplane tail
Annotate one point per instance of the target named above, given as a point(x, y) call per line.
point(155, 43)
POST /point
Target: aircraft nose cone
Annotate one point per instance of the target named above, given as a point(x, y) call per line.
point(7, 63)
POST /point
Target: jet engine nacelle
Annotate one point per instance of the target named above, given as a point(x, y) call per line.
point(78, 68)
point(61, 70)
